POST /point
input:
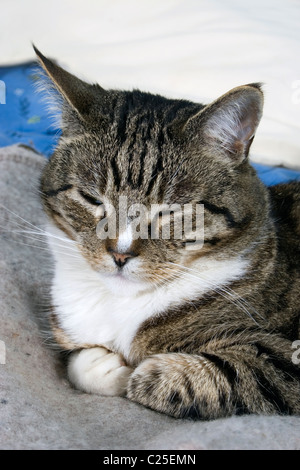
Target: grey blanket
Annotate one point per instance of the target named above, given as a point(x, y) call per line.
point(38, 408)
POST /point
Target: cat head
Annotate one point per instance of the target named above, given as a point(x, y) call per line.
point(126, 157)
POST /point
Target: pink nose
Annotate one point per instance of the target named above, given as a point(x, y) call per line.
point(121, 258)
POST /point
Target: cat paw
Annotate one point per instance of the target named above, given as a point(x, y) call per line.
point(179, 385)
point(97, 370)
point(156, 383)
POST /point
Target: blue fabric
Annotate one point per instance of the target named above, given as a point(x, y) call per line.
point(271, 175)
point(24, 118)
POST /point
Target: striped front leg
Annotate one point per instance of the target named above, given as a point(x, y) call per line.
point(241, 379)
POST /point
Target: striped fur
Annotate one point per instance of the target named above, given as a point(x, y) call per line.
point(195, 334)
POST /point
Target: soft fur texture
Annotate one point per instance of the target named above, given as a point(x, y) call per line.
point(204, 333)
point(39, 408)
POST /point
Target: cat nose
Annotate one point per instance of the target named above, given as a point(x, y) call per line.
point(121, 258)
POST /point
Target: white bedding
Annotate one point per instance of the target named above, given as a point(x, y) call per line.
point(195, 49)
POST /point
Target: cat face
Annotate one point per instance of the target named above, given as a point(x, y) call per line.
point(134, 254)
point(146, 186)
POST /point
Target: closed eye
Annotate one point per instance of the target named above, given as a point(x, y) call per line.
point(91, 199)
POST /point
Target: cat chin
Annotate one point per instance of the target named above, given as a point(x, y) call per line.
point(119, 284)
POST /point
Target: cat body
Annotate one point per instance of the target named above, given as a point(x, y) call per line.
point(200, 331)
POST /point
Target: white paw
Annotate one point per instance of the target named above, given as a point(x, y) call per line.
point(97, 370)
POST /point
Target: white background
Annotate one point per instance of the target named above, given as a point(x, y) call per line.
point(195, 49)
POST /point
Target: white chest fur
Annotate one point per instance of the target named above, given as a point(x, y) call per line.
point(90, 313)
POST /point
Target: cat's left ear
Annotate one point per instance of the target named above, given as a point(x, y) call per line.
point(228, 125)
point(79, 96)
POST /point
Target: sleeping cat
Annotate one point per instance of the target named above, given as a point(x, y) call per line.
point(201, 333)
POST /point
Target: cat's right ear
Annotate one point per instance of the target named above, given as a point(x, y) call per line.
point(226, 128)
point(82, 97)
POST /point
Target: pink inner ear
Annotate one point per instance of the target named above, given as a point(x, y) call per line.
point(246, 129)
point(228, 125)
point(243, 137)
point(234, 124)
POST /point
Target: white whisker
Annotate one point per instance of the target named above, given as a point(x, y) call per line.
point(33, 233)
point(41, 238)
point(40, 248)
point(225, 292)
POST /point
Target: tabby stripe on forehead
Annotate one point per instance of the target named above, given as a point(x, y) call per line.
point(141, 173)
point(146, 137)
point(116, 172)
point(131, 153)
point(54, 192)
point(144, 133)
point(158, 165)
point(157, 168)
point(120, 118)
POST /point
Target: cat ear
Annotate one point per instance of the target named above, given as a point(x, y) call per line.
point(228, 125)
point(81, 96)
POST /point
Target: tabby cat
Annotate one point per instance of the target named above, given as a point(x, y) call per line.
point(196, 333)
